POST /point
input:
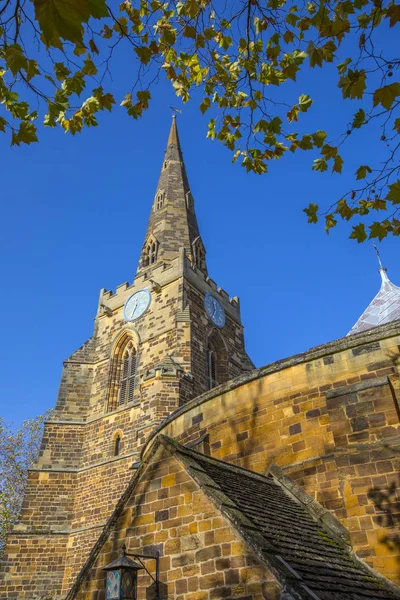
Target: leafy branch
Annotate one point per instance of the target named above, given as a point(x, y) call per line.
point(241, 57)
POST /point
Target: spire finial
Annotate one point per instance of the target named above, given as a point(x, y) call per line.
point(379, 257)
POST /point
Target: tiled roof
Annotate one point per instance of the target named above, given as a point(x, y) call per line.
point(304, 555)
point(384, 308)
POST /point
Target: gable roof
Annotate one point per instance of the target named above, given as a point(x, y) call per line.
point(310, 561)
point(303, 554)
point(384, 308)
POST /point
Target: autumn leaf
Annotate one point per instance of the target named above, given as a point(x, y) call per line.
point(387, 95)
point(394, 193)
point(362, 171)
point(311, 212)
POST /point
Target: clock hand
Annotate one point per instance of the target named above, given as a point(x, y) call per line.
point(134, 308)
point(215, 309)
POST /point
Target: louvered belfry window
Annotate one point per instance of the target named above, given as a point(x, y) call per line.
point(128, 375)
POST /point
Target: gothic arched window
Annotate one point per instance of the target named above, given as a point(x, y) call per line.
point(123, 373)
point(150, 253)
point(217, 368)
point(127, 375)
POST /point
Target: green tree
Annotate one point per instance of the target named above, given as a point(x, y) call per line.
point(243, 56)
point(19, 449)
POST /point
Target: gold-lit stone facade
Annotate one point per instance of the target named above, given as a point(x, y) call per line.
point(329, 418)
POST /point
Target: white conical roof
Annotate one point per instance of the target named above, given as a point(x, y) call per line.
point(384, 308)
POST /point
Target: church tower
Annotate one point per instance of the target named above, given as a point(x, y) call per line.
point(167, 337)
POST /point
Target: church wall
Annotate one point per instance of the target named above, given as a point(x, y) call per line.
point(232, 335)
point(41, 572)
point(330, 419)
point(202, 557)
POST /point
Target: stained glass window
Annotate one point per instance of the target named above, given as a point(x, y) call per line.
point(128, 588)
point(113, 584)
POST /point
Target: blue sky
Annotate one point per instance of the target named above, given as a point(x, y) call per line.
point(75, 210)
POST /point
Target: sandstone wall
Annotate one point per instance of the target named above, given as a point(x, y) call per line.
point(330, 418)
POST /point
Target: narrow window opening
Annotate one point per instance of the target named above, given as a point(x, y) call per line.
point(160, 200)
point(117, 445)
point(212, 368)
point(128, 375)
point(150, 254)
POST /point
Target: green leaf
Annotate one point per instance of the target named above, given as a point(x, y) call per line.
point(359, 233)
point(311, 212)
point(89, 68)
point(377, 230)
point(61, 71)
point(3, 124)
point(387, 95)
point(353, 84)
point(61, 19)
point(189, 32)
point(15, 58)
point(25, 135)
point(320, 164)
point(288, 36)
point(319, 138)
point(359, 119)
point(394, 193)
point(32, 69)
point(344, 210)
point(342, 67)
point(330, 222)
point(337, 164)
point(305, 102)
point(362, 171)
point(93, 46)
point(393, 13)
point(144, 53)
point(205, 105)
point(396, 126)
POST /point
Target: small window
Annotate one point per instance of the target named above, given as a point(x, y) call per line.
point(160, 199)
point(117, 445)
point(212, 368)
point(199, 254)
point(128, 375)
point(165, 164)
point(150, 253)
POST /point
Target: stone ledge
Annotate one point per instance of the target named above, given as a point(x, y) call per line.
point(81, 469)
point(357, 387)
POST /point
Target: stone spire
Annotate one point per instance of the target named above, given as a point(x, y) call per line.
point(384, 308)
point(172, 224)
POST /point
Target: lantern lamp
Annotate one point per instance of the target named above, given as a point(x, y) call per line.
point(122, 574)
point(122, 578)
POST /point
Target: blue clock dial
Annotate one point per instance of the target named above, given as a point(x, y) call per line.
point(214, 310)
point(136, 305)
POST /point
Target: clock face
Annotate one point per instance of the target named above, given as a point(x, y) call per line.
point(136, 305)
point(214, 310)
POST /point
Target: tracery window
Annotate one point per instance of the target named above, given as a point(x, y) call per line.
point(128, 375)
point(123, 376)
